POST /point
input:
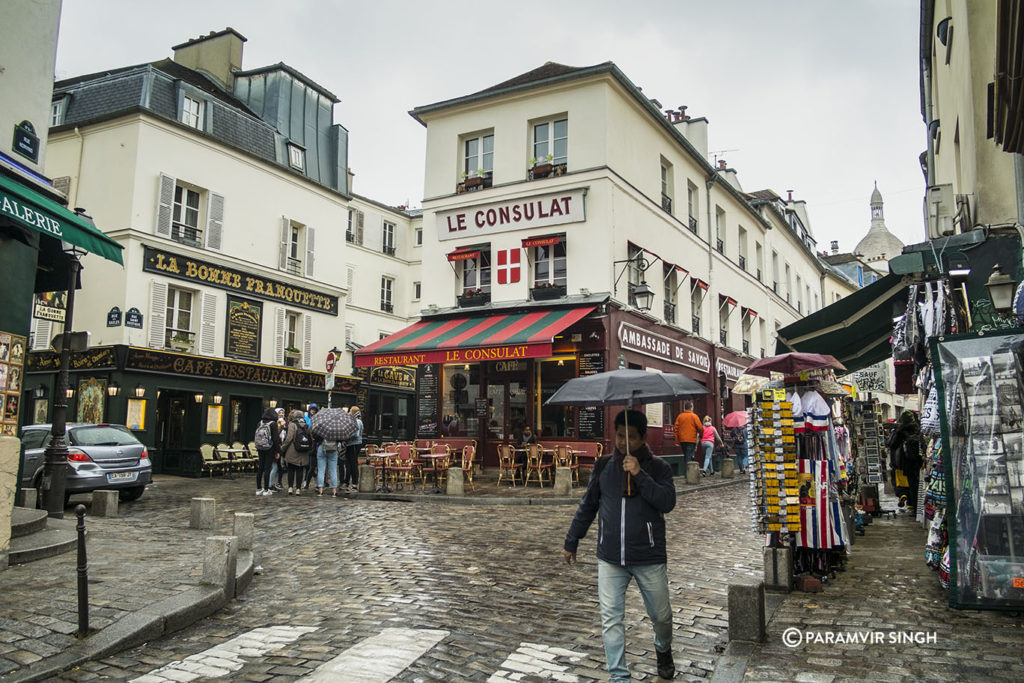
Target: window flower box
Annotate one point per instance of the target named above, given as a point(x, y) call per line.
point(292, 357)
point(474, 297)
point(181, 342)
point(545, 291)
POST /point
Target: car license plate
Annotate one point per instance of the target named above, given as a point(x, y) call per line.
point(122, 476)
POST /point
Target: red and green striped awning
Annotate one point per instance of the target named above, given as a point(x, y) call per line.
point(499, 336)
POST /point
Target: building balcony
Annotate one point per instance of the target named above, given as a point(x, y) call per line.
point(695, 324)
point(387, 307)
point(743, 262)
point(720, 246)
point(388, 250)
point(666, 203)
point(670, 313)
point(692, 224)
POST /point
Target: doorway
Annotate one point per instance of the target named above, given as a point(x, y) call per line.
point(178, 424)
point(387, 417)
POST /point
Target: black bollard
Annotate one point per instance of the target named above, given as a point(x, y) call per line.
point(83, 576)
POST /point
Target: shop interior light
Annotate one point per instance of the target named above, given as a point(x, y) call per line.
point(217, 398)
point(1000, 288)
point(140, 391)
point(199, 397)
point(113, 389)
point(39, 392)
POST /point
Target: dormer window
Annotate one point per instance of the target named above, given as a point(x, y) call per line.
point(296, 157)
point(192, 111)
point(58, 108)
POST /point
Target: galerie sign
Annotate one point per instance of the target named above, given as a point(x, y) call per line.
point(633, 338)
point(515, 214)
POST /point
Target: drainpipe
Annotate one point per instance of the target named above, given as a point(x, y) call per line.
point(78, 173)
point(717, 397)
point(930, 158)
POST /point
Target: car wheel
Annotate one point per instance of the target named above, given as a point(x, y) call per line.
point(128, 495)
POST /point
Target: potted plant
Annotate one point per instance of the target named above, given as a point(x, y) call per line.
point(547, 290)
point(476, 180)
point(474, 297)
point(181, 341)
point(542, 169)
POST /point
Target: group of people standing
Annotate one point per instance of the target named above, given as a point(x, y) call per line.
point(690, 430)
point(290, 444)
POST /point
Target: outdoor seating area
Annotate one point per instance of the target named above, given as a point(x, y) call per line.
point(227, 459)
point(399, 465)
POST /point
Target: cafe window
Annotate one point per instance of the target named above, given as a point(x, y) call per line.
point(476, 272)
point(478, 154)
point(460, 391)
point(387, 292)
point(549, 264)
point(179, 317)
point(551, 139)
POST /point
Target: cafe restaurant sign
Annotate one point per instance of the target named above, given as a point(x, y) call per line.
point(632, 338)
point(403, 378)
point(515, 214)
point(731, 370)
point(237, 281)
point(470, 355)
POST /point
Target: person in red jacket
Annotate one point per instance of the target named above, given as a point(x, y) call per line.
point(688, 430)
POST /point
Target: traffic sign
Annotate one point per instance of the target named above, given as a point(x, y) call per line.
point(329, 381)
point(331, 360)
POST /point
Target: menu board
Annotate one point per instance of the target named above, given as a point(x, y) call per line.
point(427, 378)
point(12, 366)
point(591, 419)
point(242, 339)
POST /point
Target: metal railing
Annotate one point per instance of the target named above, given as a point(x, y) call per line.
point(743, 262)
point(670, 312)
point(720, 246)
point(695, 324)
point(666, 203)
point(692, 224)
point(387, 307)
point(723, 336)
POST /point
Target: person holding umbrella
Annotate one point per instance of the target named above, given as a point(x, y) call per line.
point(630, 491)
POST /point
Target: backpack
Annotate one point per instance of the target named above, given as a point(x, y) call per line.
point(303, 438)
point(264, 438)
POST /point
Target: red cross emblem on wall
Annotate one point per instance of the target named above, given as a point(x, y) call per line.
point(508, 266)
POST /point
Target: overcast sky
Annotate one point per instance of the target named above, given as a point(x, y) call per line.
point(816, 96)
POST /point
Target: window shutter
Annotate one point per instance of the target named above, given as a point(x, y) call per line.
point(279, 321)
point(164, 207)
point(208, 324)
point(286, 227)
point(43, 335)
point(214, 221)
point(307, 341)
point(157, 314)
point(351, 276)
point(359, 227)
point(348, 334)
point(309, 251)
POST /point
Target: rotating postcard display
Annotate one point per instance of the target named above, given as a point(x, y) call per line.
point(980, 399)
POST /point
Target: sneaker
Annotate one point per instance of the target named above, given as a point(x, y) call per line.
point(290, 490)
point(297, 491)
point(277, 487)
point(666, 666)
point(353, 488)
point(267, 492)
point(259, 492)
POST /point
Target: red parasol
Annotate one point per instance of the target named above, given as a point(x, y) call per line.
point(737, 418)
point(793, 363)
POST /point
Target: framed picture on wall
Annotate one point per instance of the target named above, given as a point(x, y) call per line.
point(92, 396)
point(39, 411)
point(214, 419)
point(136, 417)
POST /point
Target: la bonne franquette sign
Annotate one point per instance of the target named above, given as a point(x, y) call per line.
point(515, 214)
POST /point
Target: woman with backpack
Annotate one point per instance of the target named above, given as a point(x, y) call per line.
point(268, 447)
point(297, 444)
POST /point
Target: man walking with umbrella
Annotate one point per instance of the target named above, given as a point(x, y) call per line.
point(630, 490)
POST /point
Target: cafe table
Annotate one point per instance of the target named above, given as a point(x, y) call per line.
point(435, 457)
point(383, 457)
point(229, 456)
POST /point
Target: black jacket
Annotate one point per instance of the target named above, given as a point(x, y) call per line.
point(270, 417)
point(630, 530)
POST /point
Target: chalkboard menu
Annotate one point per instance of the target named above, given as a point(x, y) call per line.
point(427, 378)
point(591, 419)
point(242, 339)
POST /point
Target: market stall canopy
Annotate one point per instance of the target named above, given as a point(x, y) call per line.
point(32, 210)
point(499, 336)
point(857, 329)
point(793, 363)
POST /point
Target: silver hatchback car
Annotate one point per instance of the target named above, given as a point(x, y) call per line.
point(100, 456)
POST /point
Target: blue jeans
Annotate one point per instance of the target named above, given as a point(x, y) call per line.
point(689, 450)
point(612, 581)
point(709, 448)
point(326, 461)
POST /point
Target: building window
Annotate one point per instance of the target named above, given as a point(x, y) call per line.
point(57, 109)
point(719, 230)
point(419, 237)
point(670, 278)
point(476, 273)
point(551, 142)
point(296, 157)
point(388, 239)
point(185, 216)
point(549, 264)
point(759, 260)
point(354, 229)
point(295, 241)
point(692, 206)
point(179, 317)
point(192, 112)
point(696, 301)
point(292, 338)
point(723, 323)
point(666, 186)
point(478, 154)
point(635, 271)
point(417, 290)
point(789, 285)
point(387, 289)
point(742, 244)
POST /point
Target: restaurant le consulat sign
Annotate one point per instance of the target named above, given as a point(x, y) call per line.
point(537, 211)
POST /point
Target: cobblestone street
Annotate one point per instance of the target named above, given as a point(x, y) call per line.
point(489, 576)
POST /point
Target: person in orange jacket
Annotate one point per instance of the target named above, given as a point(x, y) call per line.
point(688, 430)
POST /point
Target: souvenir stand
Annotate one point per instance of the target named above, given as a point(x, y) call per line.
point(868, 464)
point(799, 472)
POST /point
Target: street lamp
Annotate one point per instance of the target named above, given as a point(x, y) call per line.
point(217, 398)
point(113, 389)
point(199, 397)
point(1000, 288)
point(641, 293)
point(55, 464)
point(140, 391)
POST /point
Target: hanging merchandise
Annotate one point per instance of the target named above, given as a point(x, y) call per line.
point(776, 488)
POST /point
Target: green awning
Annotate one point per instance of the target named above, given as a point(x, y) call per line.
point(30, 209)
point(856, 329)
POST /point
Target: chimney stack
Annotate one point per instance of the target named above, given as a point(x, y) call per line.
point(217, 54)
point(722, 165)
point(835, 246)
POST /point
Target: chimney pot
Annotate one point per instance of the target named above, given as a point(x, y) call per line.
point(835, 246)
point(789, 193)
point(721, 164)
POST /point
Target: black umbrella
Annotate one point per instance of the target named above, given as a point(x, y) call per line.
point(334, 424)
point(625, 387)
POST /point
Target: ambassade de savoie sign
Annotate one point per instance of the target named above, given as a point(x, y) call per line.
point(639, 340)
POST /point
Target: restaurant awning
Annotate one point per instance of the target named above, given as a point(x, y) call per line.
point(499, 336)
point(31, 209)
point(856, 329)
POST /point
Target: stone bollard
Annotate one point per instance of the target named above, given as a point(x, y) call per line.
point(104, 503)
point(456, 484)
point(563, 481)
point(204, 513)
point(367, 479)
point(728, 468)
point(29, 498)
point(692, 472)
point(746, 612)
point(244, 529)
point(220, 561)
point(778, 569)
